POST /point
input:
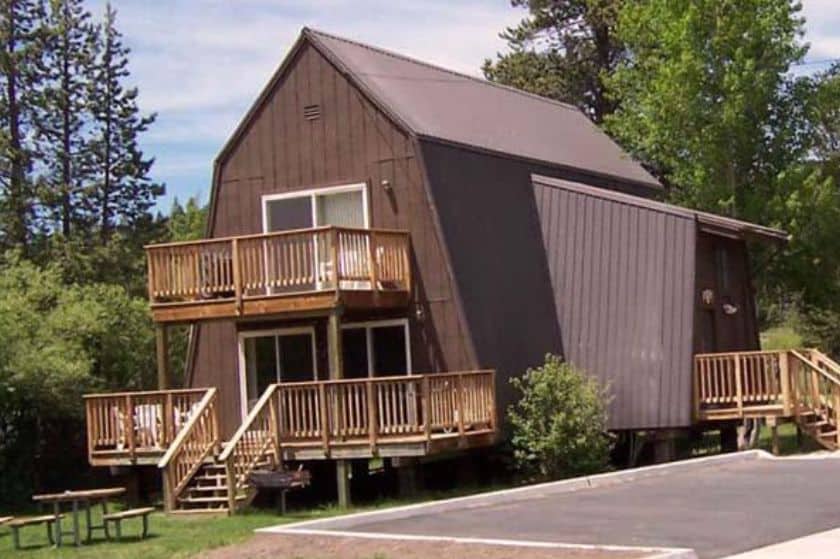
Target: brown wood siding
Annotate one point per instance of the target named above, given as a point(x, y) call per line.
point(623, 281)
point(715, 330)
point(489, 221)
point(352, 142)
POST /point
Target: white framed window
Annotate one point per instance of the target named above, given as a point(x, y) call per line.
point(376, 348)
point(274, 355)
point(342, 206)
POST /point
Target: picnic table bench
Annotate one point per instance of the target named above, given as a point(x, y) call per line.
point(83, 499)
point(18, 523)
point(118, 517)
point(4, 519)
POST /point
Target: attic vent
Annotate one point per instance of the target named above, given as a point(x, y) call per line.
point(312, 112)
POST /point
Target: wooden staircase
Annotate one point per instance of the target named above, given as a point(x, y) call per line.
point(202, 475)
point(800, 385)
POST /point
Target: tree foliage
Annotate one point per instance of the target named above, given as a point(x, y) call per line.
point(559, 422)
point(707, 101)
point(562, 50)
point(60, 341)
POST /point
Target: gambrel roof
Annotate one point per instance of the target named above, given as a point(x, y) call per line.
point(444, 105)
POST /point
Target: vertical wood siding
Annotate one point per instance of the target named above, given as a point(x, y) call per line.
point(623, 283)
point(489, 222)
point(351, 142)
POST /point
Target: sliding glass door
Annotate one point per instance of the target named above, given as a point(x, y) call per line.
point(341, 206)
point(376, 349)
point(275, 356)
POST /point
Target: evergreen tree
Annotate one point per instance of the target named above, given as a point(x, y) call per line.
point(122, 192)
point(562, 50)
point(21, 77)
point(61, 126)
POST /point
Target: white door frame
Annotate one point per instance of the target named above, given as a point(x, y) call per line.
point(371, 324)
point(270, 332)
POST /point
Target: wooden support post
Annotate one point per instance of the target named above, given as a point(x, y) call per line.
point(167, 421)
point(774, 434)
point(325, 418)
point(793, 374)
point(836, 414)
point(274, 426)
point(372, 419)
point(129, 427)
point(237, 276)
point(372, 262)
point(342, 467)
point(787, 392)
point(168, 496)
point(427, 419)
point(162, 346)
point(342, 471)
point(334, 348)
point(230, 479)
point(459, 403)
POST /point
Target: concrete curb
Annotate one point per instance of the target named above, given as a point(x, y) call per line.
point(527, 492)
point(652, 552)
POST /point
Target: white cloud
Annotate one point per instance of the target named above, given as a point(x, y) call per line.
point(200, 63)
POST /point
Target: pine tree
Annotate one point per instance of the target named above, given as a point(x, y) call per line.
point(61, 129)
point(563, 49)
point(122, 193)
point(21, 77)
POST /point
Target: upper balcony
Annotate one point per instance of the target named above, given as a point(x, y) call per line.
point(273, 273)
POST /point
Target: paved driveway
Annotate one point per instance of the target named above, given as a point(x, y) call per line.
point(718, 509)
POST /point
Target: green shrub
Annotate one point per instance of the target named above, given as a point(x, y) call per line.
point(559, 423)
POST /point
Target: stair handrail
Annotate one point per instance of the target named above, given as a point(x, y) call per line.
point(833, 376)
point(195, 441)
point(825, 360)
point(239, 456)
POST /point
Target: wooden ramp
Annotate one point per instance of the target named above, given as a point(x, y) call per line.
point(800, 385)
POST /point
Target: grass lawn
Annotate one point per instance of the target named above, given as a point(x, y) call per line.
point(179, 537)
point(169, 536)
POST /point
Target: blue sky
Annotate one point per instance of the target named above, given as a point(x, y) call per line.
point(200, 63)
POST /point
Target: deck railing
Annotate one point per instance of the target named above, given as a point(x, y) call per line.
point(278, 264)
point(378, 409)
point(743, 384)
point(132, 425)
point(196, 442)
point(370, 411)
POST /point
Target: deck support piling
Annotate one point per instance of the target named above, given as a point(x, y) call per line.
point(342, 467)
point(162, 347)
point(774, 434)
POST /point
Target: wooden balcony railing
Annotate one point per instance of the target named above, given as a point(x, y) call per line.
point(281, 264)
point(133, 426)
point(372, 413)
point(783, 383)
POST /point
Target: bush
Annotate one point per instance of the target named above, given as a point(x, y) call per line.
point(60, 340)
point(559, 423)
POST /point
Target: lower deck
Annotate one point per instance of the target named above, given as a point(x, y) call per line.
point(403, 416)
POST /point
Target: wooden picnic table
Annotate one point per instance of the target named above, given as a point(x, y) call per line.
point(84, 498)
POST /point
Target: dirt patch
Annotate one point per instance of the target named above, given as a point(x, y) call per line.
point(284, 546)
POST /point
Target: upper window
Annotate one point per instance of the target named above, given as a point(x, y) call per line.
point(342, 206)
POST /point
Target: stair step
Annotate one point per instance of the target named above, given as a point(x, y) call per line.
point(825, 434)
point(208, 488)
point(220, 511)
point(208, 499)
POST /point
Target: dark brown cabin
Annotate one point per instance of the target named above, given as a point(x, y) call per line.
point(389, 242)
